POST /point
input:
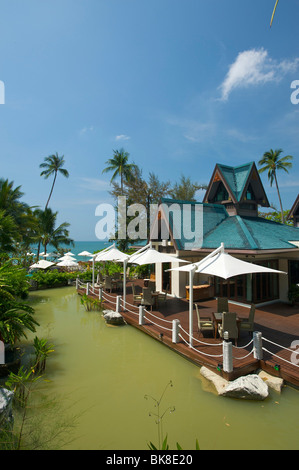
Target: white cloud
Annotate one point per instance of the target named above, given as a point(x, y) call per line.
point(255, 67)
point(122, 137)
point(84, 130)
point(94, 184)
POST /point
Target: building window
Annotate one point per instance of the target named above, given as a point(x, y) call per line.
point(294, 272)
point(221, 194)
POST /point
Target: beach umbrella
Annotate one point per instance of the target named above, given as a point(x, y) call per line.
point(85, 253)
point(69, 253)
point(219, 263)
point(152, 256)
point(42, 264)
point(68, 263)
point(66, 257)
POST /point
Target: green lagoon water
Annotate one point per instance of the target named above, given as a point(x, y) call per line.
point(102, 374)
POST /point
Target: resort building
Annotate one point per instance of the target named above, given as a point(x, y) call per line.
point(228, 214)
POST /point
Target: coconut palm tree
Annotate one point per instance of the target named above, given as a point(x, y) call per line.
point(53, 165)
point(48, 233)
point(120, 167)
point(272, 163)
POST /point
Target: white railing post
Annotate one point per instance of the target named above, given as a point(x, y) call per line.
point(227, 349)
point(118, 299)
point(141, 315)
point(101, 293)
point(175, 331)
point(87, 288)
point(257, 345)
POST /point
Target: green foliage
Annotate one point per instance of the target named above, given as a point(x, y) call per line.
point(51, 278)
point(42, 351)
point(90, 303)
point(293, 293)
point(15, 316)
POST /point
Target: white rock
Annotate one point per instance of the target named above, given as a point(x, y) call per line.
point(219, 383)
point(249, 387)
point(276, 383)
point(6, 416)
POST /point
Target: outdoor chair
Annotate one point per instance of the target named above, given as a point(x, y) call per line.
point(229, 324)
point(151, 286)
point(248, 323)
point(108, 283)
point(162, 296)
point(147, 298)
point(204, 323)
point(222, 304)
point(136, 297)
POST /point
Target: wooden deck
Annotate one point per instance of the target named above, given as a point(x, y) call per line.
point(278, 323)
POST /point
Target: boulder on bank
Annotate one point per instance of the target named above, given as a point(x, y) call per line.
point(6, 416)
point(249, 387)
point(113, 318)
point(276, 383)
point(219, 383)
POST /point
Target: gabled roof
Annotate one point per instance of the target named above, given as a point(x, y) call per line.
point(236, 181)
point(236, 232)
point(295, 208)
point(252, 233)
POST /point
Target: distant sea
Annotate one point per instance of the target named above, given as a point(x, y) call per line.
point(78, 248)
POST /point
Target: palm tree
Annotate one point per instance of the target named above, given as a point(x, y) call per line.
point(48, 233)
point(272, 163)
point(53, 164)
point(120, 166)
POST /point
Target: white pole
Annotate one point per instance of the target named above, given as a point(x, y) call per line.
point(191, 277)
point(125, 262)
point(227, 356)
point(175, 330)
point(93, 272)
point(141, 315)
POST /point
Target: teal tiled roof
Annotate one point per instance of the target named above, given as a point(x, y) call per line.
point(236, 177)
point(236, 232)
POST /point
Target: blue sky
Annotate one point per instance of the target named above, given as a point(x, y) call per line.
point(179, 84)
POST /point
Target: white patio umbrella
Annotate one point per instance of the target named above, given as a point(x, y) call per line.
point(152, 256)
point(67, 257)
point(42, 264)
point(219, 263)
point(85, 253)
point(68, 263)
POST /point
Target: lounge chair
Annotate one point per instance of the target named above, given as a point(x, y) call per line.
point(222, 304)
point(136, 297)
point(204, 323)
point(248, 323)
point(229, 324)
point(147, 298)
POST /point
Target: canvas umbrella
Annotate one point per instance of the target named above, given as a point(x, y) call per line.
point(85, 253)
point(219, 263)
point(114, 254)
point(42, 264)
point(68, 263)
point(152, 256)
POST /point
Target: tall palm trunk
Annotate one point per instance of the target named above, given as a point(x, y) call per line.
point(280, 203)
point(51, 190)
